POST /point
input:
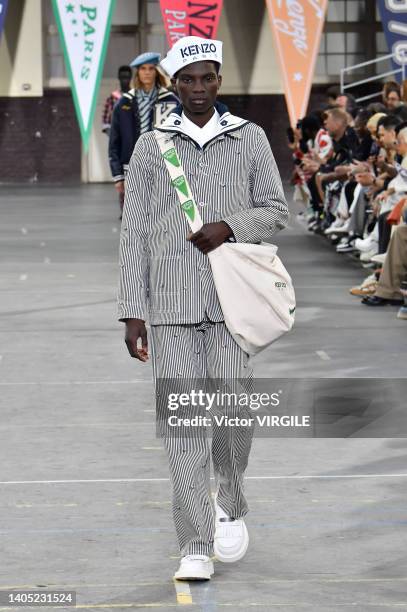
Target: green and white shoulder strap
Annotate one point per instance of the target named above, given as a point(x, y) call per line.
point(179, 179)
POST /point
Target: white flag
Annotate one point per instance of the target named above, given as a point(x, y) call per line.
point(84, 29)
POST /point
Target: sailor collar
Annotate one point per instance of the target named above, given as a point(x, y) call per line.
point(132, 93)
point(227, 124)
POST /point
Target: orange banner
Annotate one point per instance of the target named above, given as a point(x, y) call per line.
point(297, 27)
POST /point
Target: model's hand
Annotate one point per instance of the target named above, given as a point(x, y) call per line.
point(119, 186)
point(135, 329)
point(210, 236)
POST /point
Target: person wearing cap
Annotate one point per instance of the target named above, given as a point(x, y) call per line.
point(166, 280)
point(148, 102)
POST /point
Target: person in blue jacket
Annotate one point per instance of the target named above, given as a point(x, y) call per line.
point(147, 104)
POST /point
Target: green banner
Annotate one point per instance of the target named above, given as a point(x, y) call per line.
point(84, 29)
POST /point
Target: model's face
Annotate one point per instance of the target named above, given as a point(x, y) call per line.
point(197, 86)
point(387, 138)
point(147, 75)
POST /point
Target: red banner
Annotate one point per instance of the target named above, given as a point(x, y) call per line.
point(190, 18)
point(297, 27)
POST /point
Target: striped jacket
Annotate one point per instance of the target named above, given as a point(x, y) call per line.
point(164, 279)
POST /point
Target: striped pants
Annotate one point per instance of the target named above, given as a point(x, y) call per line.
point(204, 351)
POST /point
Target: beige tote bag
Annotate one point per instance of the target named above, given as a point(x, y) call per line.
point(254, 289)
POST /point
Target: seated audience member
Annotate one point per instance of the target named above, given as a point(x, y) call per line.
point(386, 88)
point(345, 143)
point(365, 139)
point(394, 272)
point(392, 96)
point(332, 94)
point(353, 171)
point(348, 103)
point(394, 177)
point(314, 144)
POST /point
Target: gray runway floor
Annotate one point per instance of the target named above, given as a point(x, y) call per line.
point(84, 492)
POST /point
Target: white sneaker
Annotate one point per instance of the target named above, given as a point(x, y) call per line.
point(367, 255)
point(231, 536)
point(194, 567)
point(344, 228)
point(369, 280)
point(334, 226)
point(367, 244)
point(379, 258)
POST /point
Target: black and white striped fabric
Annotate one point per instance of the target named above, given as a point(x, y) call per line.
point(163, 278)
point(145, 102)
point(203, 351)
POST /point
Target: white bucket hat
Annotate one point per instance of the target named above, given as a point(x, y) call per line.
point(191, 49)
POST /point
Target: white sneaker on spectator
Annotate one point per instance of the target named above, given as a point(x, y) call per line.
point(194, 567)
point(345, 247)
point(402, 313)
point(334, 226)
point(366, 256)
point(379, 258)
point(366, 244)
point(369, 280)
point(343, 229)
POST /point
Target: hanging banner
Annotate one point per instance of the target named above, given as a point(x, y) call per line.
point(3, 10)
point(393, 15)
point(297, 27)
point(187, 18)
point(84, 29)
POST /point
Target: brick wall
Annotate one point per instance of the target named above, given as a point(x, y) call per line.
point(270, 112)
point(39, 139)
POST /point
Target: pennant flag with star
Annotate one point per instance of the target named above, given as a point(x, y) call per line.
point(84, 30)
point(297, 28)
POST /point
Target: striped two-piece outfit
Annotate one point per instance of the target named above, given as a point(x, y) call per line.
point(167, 281)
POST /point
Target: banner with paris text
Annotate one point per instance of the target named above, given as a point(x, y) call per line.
point(190, 18)
point(297, 27)
point(84, 30)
